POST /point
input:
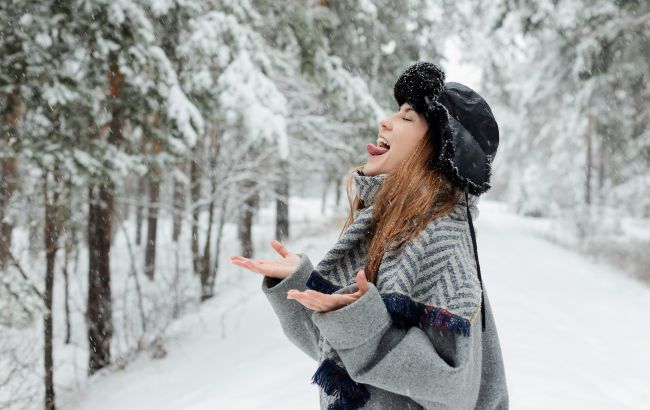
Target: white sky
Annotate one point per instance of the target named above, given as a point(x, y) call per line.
point(467, 74)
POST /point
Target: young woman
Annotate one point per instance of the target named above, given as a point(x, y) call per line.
point(396, 313)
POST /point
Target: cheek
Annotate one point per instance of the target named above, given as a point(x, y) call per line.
point(406, 146)
point(398, 154)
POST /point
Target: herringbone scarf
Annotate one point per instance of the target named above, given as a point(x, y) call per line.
point(442, 290)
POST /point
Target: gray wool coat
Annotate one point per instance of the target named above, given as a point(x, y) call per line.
point(411, 368)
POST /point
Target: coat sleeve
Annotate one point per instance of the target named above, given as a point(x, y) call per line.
point(436, 368)
point(295, 318)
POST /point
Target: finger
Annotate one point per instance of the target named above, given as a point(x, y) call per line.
point(307, 302)
point(265, 263)
point(326, 302)
point(242, 263)
point(362, 281)
point(317, 296)
point(345, 300)
point(334, 302)
point(311, 300)
point(279, 248)
point(253, 266)
point(241, 259)
point(238, 261)
point(292, 293)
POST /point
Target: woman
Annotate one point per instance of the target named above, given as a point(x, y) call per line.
point(392, 311)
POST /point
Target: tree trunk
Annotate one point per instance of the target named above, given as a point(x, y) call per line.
point(602, 169)
point(8, 168)
point(338, 186)
point(8, 172)
point(205, 258)
point(66, 284)
point(99, 309)
point(589, 162)
point(152, 228)
point(179, 208)
point(195, 192)
point(206, 292)
point(217, 248)
point(282, 204)
point(70, 240)
point(99, 313)
point(139, 212)
point(246, 220)
point(51, 237)
point(152, 220)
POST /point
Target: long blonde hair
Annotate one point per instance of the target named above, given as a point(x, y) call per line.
point(412, 195)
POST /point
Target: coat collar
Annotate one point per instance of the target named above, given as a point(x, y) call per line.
point(368, 187)
point(460, 210)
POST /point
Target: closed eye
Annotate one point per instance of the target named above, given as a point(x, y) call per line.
point(405, 119)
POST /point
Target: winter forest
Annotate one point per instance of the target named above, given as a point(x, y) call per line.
point(144, 142)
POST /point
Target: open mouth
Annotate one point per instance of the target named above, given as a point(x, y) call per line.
point(382, 142)
point(381, 148)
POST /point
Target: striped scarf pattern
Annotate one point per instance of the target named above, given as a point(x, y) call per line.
point(431, 281)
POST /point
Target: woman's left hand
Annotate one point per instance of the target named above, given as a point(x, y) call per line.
point(322, 302)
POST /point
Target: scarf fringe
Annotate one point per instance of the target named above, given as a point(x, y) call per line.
point(403, 310)
point(335, 381)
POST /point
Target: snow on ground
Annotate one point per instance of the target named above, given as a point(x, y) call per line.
point(573, 333)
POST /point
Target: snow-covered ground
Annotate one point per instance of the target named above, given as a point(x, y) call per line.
point(574, 334)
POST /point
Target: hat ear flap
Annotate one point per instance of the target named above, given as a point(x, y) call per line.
point(454, 145)
point(469, 155)
point(439, 134)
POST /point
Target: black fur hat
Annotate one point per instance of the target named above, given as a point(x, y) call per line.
point(461, 124)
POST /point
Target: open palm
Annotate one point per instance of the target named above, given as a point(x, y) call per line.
point(275, 268)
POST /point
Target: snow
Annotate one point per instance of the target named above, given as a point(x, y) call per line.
point(389, 47)
point(347, 89)
point(368, 8)
point(185, 114)
point(572, 332)
point(249, 97)
point(458, 70)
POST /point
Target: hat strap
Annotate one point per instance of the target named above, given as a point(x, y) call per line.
point(478, 266)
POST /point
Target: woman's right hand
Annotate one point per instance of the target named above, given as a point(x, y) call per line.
point(274, 268)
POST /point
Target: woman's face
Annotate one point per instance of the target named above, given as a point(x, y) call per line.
point(403, 131)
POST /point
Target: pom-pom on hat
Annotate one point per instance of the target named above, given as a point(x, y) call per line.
point(461, 124)
point(419, 80)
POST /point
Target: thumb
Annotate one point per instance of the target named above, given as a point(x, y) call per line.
point(279, 248)
point(362, 281)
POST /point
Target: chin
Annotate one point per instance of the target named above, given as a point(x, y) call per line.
point(371, 170)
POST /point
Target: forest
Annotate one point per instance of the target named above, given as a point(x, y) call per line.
point(143, 141)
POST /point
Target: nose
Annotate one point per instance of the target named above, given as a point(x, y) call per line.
point(385, 125)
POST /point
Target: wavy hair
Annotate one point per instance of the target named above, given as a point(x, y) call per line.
point(412, 195)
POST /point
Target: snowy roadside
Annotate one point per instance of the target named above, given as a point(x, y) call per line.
point(226, 354)
point(571, 332)
point(621, 242)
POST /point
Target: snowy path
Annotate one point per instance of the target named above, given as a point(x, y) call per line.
point(573, 336)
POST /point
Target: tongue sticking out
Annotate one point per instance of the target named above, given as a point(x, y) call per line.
point(375, 150)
